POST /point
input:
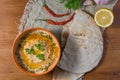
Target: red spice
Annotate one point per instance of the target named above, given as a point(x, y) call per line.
point(58, 23)
point(51, 12)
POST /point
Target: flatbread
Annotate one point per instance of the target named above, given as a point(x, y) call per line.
point(84, 46)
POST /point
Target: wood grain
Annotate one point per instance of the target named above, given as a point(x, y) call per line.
point(11, 11)
point(109, 68)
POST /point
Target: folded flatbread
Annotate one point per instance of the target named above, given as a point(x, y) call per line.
point(82, 44)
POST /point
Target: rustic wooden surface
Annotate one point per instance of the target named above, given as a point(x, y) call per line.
point(11, 11)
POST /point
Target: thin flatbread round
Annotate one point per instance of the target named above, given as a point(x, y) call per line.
point(83, 44)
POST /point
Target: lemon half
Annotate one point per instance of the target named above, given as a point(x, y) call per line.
point(104, 17)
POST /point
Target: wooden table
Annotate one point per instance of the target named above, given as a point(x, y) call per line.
point(11, 11)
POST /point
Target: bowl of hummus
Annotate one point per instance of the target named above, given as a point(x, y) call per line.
point(36, 51)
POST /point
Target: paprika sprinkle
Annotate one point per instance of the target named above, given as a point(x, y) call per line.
point(58, 23)
point(51, 12)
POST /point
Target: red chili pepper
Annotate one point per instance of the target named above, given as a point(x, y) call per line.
point(58, 23)
point(52, 12)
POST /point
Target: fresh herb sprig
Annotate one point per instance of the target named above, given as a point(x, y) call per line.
point(73, 4)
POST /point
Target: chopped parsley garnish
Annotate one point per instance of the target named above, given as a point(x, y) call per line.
point(46, 68)
point(29, 51)
point(39, 46)
point(41, 56)
point(50, 37)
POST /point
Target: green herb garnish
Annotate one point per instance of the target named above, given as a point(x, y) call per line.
point(46, 68)
point(29, 51)
point(49, 37)
point(39, 46)
point(41, 56)
point(73, 4)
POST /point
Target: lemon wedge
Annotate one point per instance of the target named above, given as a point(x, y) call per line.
point(104, 17)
